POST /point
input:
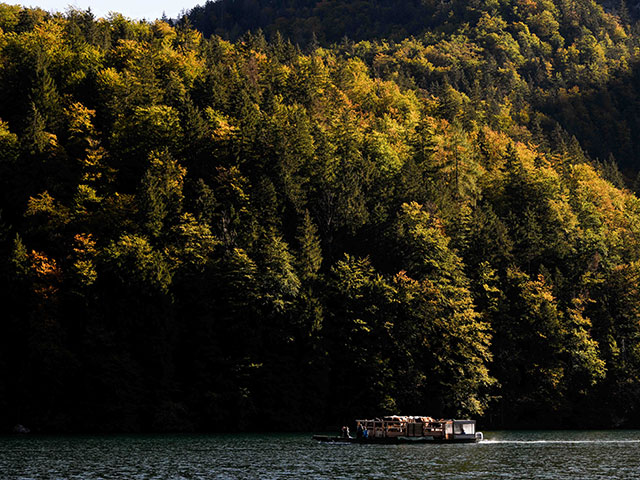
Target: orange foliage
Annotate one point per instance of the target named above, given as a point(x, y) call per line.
point(47, 274)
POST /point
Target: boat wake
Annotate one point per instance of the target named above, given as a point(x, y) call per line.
point(559, 442)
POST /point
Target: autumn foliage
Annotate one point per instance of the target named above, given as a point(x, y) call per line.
point(208, 234)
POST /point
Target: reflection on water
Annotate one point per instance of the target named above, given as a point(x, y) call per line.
point(503, 455)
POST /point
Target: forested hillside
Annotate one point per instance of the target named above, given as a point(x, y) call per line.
point(562, 63)
point(199, 234)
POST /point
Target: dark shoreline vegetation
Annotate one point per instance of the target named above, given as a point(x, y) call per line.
point(199, 234)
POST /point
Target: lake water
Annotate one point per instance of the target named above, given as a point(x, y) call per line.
point(502, 455)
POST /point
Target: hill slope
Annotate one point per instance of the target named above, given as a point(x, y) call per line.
point(198, 234)
point(563, 65)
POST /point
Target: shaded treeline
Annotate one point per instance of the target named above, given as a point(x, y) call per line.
point(197, 234)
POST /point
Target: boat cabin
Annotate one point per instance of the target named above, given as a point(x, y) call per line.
point(416, 427)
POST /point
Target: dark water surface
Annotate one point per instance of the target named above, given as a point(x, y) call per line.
point(502, 455)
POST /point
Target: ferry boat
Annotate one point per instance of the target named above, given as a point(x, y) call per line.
point(408, 429)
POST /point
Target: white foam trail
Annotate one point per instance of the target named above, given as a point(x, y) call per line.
point(533, 442)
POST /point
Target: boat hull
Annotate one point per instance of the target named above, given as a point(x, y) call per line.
point(392, 440)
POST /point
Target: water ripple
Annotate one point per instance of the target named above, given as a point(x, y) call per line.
point(502, 455)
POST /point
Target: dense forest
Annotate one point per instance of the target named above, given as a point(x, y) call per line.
point(225, 230)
